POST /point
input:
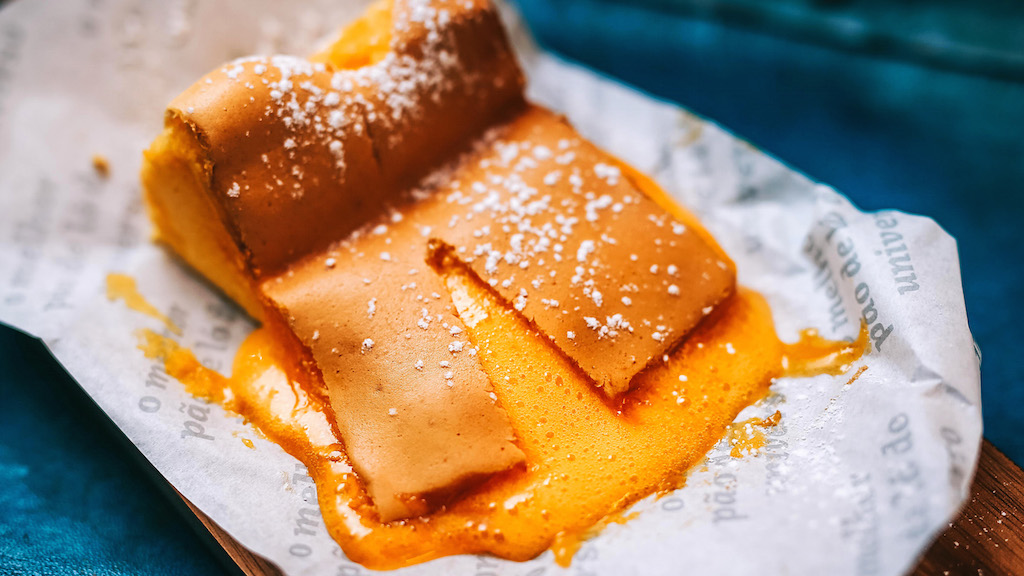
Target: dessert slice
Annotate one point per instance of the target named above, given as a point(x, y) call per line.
point(320, 195)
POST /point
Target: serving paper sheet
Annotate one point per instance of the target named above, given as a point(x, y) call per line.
point(855, 480)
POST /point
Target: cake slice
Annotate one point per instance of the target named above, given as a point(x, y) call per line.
point(327, 196)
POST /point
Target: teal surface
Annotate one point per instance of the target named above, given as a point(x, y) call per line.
point(75, 498)
point(936, 134)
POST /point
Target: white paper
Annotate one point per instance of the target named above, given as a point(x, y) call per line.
point(856, 480)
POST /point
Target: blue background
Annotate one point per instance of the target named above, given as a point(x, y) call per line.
point(919, 109)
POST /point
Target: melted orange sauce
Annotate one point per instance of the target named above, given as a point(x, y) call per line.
point(567, 544)
point(588, 460)
point(182, 365)
point(123, 287)
point(747, 436)
point(812, 355)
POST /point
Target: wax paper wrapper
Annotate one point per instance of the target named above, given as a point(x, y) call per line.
point(856, 480)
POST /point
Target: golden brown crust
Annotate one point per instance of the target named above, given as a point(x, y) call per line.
point(278, 190)
point(408, 393)
point(554, 227)
point(303, 154)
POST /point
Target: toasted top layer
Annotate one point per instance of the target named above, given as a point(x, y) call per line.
point(303, 154)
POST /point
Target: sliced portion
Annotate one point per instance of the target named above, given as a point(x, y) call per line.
point(416, 410)
point(299, 154)
point(553, 225)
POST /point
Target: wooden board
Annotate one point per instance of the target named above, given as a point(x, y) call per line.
point(986, 539)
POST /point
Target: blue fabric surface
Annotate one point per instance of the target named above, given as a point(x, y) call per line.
point(887, 134)
point(73, 498)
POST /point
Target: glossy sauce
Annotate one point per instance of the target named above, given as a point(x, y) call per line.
point(588, 460)
point(747, 436)
point(123, 287)
point(813, 355)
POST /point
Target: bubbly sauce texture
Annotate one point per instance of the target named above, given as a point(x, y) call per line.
point(588, 459)
point(813, 355)
point(747, 437)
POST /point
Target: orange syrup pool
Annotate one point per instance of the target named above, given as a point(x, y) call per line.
point(587, 461)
